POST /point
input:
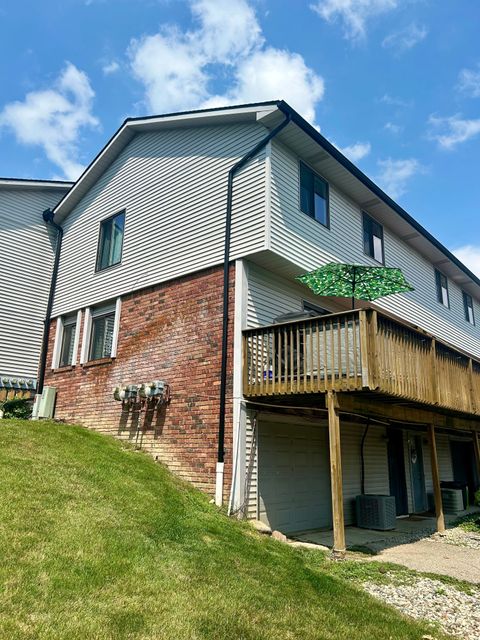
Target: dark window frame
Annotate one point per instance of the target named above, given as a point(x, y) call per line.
point(439, 286)
point(315, 174)
point(98, 267)
point(467, 297)
point(72, 327)
point(369, 220)
point(95, 317)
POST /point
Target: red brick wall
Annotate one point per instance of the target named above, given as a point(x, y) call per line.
point(169, 332)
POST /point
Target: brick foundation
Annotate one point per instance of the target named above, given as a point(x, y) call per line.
point(169, 332)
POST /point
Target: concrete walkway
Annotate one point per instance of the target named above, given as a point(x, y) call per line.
point(413, 545)
point(435, 557)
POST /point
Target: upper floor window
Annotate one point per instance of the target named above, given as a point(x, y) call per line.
point(110, 241)
point(68, 342)
point(314, 195)
point(373, 238)
point(468, 308)
point(442, 288)
point(101, 339)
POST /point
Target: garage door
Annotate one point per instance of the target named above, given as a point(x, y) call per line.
point(294, 477)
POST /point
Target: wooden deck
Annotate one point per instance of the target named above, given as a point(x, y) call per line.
point(360, 350)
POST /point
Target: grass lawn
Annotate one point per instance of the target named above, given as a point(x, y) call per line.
point(98, 541)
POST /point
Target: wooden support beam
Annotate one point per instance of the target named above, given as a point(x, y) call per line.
point(436, 479)
point(336, 474)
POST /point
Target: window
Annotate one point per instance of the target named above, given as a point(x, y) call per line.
point(68, 342)
point(110, 241)
point(319, 311)
point(442, 288)
point(314, 196)
point(373, 238)
point(468, 307)
point(101, 340)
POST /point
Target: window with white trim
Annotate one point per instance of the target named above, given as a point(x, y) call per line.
point(100, 334)
point(68, 341)
point(110, 242)
point(101, 338)
point(67, 337)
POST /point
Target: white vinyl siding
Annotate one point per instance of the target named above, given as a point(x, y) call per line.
point(376, 461)
point(296, 237)
point(173, 186)
point(270, 296)
point(26, 259)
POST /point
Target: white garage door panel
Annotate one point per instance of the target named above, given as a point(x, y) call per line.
point(294, 481)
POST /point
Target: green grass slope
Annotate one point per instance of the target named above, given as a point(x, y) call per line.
point(99, 541)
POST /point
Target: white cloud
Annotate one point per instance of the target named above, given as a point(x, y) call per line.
point(110, 67)
point(227, 29)
point(354, 14)
point(469, 254)
point(469, 82)
point(355, 152)
point(392, 127)
point(274, 74)
point(450, 131)
point(176, 67)
point(53, 119)
point(394, 175)
point(405, 39)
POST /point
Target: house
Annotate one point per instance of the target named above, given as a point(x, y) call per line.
point(26, 259)
point(182, 242)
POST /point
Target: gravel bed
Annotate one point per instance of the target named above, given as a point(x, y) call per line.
point(458, 537)
point(456, 612)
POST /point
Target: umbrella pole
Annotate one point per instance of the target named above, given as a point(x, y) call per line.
point(353, 287)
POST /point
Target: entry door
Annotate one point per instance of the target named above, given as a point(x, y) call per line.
point(293, 477)
point(396, 470)
point(418, 474)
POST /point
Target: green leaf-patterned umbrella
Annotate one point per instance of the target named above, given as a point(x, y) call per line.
point(355, 281)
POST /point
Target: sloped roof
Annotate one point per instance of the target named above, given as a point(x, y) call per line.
point(309, 144)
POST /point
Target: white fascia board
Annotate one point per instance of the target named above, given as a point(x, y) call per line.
point(20, 183)
point(127, 131)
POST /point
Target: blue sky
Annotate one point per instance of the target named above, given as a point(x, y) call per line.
point(394, 83)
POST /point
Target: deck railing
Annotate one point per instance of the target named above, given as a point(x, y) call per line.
point(355, 350)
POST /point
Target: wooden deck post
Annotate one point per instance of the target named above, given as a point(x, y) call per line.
point(436, 479)
point(336, 474)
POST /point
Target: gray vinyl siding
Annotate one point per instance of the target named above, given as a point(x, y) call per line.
point(270, 295)
point(376, 461)
point(26, 258)
point(376, 464)
point(251, 474)
point(172, 185)
point(308, 244)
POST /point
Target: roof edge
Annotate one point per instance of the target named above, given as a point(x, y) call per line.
point(32, 182)
point(367, 182)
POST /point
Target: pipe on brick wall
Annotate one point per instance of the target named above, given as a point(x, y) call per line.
point(226, 292)
point(48, 218)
